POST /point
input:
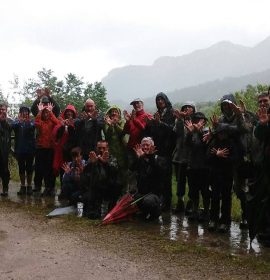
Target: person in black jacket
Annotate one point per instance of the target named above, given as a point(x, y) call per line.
point(89, 128)
point(5, 144)
point(99, 181)
point(44, 96)
point(160, 129)
point(198, 171)
point(222, 153)
point(150, 171)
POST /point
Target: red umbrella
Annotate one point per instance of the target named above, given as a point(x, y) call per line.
point(123, 210)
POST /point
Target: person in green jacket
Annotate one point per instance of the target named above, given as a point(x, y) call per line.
point(113, 131)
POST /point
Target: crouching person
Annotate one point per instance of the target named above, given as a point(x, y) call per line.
point(100, 181)
point(150, 169)
point(71, 177)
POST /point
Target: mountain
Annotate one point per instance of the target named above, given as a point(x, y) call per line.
point(210, 91)
point(219, 61)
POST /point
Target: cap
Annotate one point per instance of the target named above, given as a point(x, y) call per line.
point(136, 100)
point(45, 99)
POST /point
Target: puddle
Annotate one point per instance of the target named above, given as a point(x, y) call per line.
point(172, 227)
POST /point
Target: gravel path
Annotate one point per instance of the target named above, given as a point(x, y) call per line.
point(34, 247)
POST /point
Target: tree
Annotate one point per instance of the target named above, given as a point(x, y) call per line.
point(72, 90)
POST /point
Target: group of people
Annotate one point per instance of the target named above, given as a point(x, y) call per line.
point(100, 156)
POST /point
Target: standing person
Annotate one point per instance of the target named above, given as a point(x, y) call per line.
point(64, 139)
point(44, 97)
point(134, 127)
point(198, 171)
point(45, 122)
point(222, 153)
point(180, 155)
point(113, 131)
point(89, 128)
point(24, 129)
point(5, 144)
point(258, 205)
point(160, 129)
point(237, 129)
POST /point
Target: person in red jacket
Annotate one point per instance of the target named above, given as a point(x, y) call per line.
point(45, 122)
point(134, 127)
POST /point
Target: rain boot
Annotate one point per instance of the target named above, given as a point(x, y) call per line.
point(22, 190)
point(29, 190)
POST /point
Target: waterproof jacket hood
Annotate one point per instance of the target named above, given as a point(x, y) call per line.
point(71, 108)
point(112, 108)
point(165, 98)
point(190, 104)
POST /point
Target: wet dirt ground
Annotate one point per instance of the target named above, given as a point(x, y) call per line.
point(35, 247)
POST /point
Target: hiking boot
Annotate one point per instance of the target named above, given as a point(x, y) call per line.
point(244, 224)
point(4, 193)
point(189, 208)
point(22, 190)
point(36, 190)
point(29, 190)
point(46, 192)
point(194, 216)
point(203, 216)
point(212, 226)
point(223, 228)
point(180, 207)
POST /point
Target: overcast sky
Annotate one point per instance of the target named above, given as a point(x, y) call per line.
point(89, 38)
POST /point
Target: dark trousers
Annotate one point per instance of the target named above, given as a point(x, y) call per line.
point(198, 180)
point(166, 191)
point(25, 163)
point(221, 183)
point(4, 173)
point(181, 178)
point(44, 169)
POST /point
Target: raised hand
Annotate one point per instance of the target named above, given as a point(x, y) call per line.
point(223, 153)
point(138, 150)
point(66, 167)
point(242, 106)
point(40, 107)
point(127, 116)
point(214, 120)
point(237, 110)
point(157, 117)
point(189, 125)
point(207, 136)
point(93, 157)
point(198, 126)
point(49, 107)
point(108, 120)
point(105, 157)
point(263, 115)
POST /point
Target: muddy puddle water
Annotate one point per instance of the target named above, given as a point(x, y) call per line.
point(178, 228)
point(173, 227)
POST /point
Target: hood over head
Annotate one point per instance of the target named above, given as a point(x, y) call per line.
point(166, 99)
point(113, 107)
point(71, 108)
point(189, 103)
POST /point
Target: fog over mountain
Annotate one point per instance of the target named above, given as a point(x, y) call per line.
point(177, 74)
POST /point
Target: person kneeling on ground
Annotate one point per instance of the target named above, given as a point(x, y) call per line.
point(150, 168)
point(71, 177)
point(100, 181)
